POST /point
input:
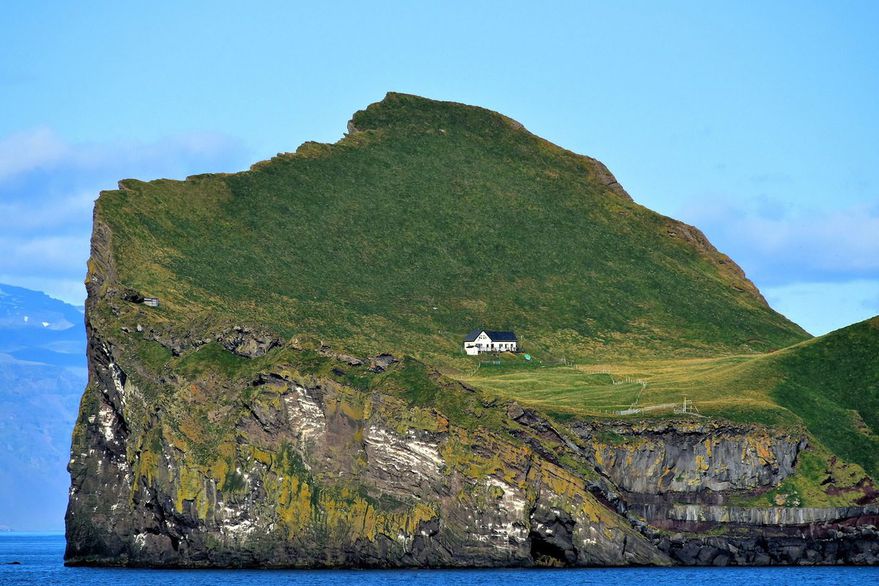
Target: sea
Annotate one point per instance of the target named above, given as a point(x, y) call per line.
point(40, 558)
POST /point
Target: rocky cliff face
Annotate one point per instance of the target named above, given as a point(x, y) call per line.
point(713, 456)
point(676, 480)
point(317, 474)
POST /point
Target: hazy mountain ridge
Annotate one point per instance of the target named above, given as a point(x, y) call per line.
point(42, 373)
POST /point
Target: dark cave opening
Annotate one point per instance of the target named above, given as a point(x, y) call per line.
point(549, 553)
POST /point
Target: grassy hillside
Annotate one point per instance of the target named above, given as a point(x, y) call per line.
point(428, 219)
point(829, 386)
point(832, 384)
point(734, 387)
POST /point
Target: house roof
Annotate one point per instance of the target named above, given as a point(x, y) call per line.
point(496, 336)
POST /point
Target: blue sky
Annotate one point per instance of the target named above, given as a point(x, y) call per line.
point(756, 122)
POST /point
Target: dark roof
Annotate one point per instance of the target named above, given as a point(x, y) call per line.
point(472, 335)
point(495, 336)
point(501, 336)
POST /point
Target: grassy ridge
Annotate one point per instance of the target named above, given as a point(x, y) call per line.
point(829, 385)
point(832, 383)
point(733, 387)
point(428, 220)
point(558, 389)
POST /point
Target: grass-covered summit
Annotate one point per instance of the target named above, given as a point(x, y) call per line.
point(428, 219)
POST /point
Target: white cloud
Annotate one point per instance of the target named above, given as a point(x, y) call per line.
point(48, 188)
point(171, 157)
point(824, 307)
point(779, 244)
point(70, 290)
point(835, 242)
point(29, 150)
point(819, 267)
point(41, 254)
point(49, 211)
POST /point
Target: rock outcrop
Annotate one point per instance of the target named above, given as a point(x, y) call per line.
point(685, 456)
point(323, 476)
point(293, 470)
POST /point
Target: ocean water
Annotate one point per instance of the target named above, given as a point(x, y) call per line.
point(41, 564)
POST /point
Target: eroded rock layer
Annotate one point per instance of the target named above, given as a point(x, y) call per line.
point(318, 474)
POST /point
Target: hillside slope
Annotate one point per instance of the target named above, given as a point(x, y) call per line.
point(428, 219)
point(826, 387)
point(832, 384)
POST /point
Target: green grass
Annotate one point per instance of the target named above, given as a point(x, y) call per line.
point(557, 389)
point(733, 387)
point(432, 219)
point(832, 383)
point(211, 359)
point(828, 385)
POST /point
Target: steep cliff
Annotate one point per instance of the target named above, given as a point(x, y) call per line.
point(296, 398)
point(290, 467)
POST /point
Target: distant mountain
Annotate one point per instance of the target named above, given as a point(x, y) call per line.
point(42, 374)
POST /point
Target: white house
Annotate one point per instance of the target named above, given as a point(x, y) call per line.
point(489, 341)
